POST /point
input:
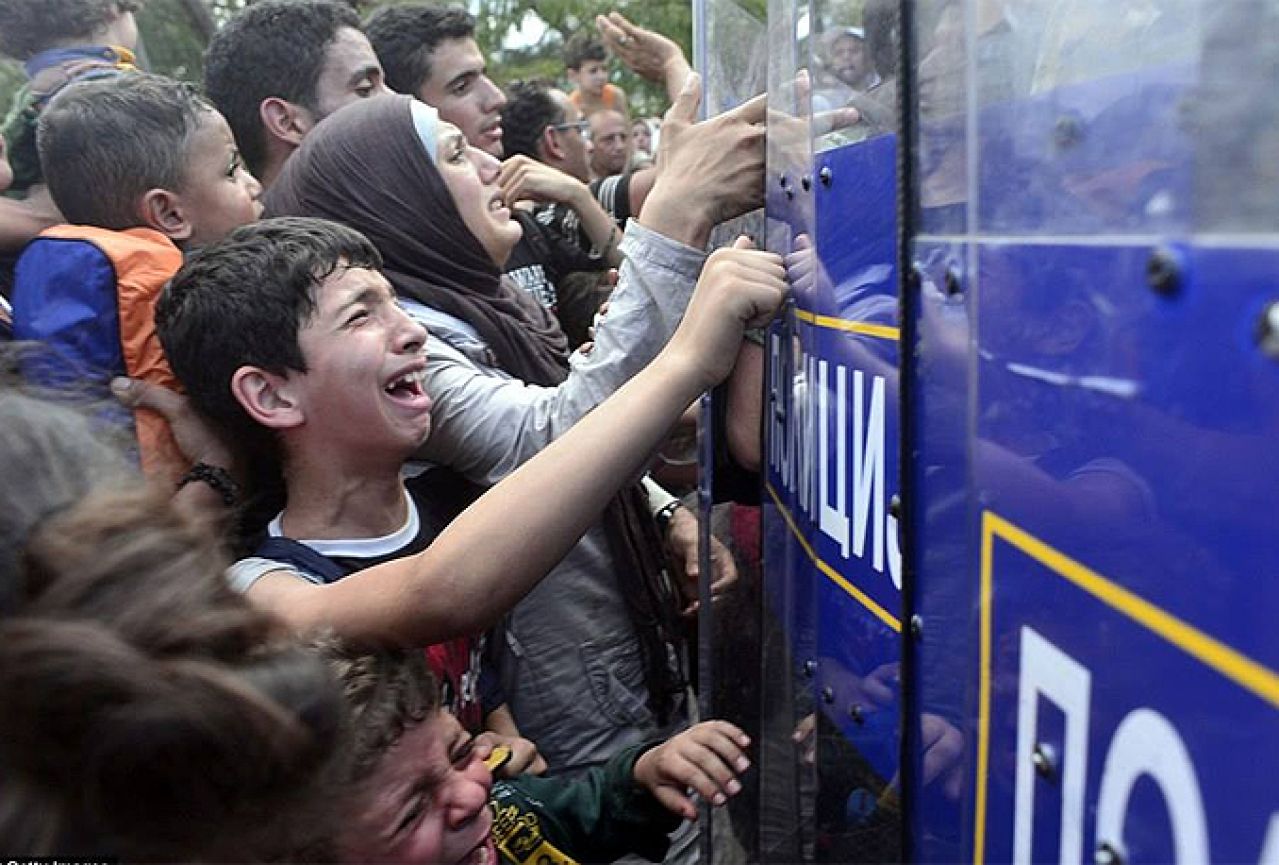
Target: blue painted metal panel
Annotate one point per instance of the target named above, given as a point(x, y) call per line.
point(1095, 505)
point(832, 445)
point(1124, 494)
point(1093, 517)
point(940, 509)
point(1105, 156)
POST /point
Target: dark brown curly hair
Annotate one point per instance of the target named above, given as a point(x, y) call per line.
point(388, 692)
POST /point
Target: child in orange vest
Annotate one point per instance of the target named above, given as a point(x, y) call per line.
point(586, 61)
point(142, 168)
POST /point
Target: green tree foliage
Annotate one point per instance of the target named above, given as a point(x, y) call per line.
point(11, 79)
point(174, 33)
point(554, 21)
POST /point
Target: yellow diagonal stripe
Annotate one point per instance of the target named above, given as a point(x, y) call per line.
point(880, 331)
point(835, 576)
point(1231, 663)
point(1234, 665)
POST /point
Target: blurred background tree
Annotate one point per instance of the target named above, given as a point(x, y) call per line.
point(523, 38)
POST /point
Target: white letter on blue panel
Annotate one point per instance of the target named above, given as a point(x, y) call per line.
point(868, 467)
point(1145, 743)
point(1049, 671)
point(833, 520)
point(1270, 849)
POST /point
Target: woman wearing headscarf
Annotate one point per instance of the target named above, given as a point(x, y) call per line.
point(589, 660)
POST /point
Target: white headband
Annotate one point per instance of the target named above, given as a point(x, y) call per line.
point(426, 121)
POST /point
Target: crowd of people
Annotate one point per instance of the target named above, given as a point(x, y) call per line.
point(326, 500)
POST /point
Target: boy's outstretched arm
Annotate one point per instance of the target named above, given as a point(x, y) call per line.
point(499, 547)
point(497, 550)
point(706, 758)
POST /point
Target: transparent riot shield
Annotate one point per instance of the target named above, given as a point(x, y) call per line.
point(730, 53)
point(825, 625)
point(1092, 383)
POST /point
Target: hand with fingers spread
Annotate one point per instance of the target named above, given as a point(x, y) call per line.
point(705, 759)
point(740, 287)
point(707, 172)
point(646, 53)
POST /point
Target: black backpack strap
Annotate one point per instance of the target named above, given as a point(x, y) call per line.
point(290, 552)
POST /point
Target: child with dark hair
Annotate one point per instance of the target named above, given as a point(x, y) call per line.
point(59, 42)
point(290, 340)
point(147, 712)
point(141, 167)
point(424, 792)
point(586, 63)
point(146, 152)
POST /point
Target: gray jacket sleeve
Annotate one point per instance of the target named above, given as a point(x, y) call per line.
point(485, 424)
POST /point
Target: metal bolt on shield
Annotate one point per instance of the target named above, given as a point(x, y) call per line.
point(1163, 272)
point(1268, 330)
point(1107, 855)
point(1044, 758)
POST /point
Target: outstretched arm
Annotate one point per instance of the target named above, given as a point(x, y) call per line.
point(498, 549)
point(485, 426)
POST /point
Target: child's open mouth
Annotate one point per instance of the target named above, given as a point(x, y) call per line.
point(408, 389)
